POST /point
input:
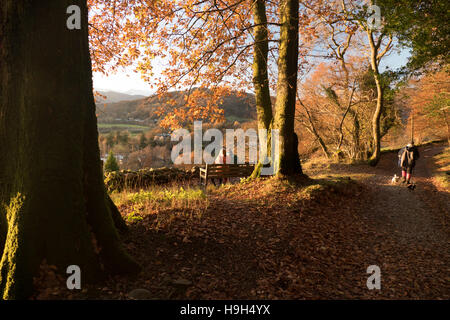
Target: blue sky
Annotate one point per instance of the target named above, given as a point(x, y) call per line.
point(130, 82)
point(395, 60)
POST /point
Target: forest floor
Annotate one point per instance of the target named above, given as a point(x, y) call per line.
point(304, 239)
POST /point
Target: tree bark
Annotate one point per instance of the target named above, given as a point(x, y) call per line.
point(447, 124)
point(260, 76)
point(375, 157)
point(53, 202)
point(288, 159)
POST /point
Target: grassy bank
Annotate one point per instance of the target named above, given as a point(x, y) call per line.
point(163, 204)
point(441, 172)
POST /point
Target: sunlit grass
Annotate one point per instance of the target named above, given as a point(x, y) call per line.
point(165, 197)
point(354, 176)
point(165, 203)
point(441, 174)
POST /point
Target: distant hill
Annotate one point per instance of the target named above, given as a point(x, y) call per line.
point(113, 96)
point(142, 111)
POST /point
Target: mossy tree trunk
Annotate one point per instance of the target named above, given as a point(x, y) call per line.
point(444, 113)
point(260, 75)
point(376, 132)
point(288, 158)
point(53, 201)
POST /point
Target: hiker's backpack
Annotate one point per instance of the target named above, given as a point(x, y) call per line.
point(406, 158)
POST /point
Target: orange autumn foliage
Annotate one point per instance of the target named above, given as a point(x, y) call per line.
point(204, 47)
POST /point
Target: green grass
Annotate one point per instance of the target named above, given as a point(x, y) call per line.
point(165, 197)
point(168, 196)
point(121, 126)
point(165, 203)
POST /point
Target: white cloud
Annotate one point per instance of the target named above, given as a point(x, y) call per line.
point(125, 81)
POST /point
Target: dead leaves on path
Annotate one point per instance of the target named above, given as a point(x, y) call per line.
point(272, 240)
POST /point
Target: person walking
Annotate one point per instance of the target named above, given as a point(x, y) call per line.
point(407, 157)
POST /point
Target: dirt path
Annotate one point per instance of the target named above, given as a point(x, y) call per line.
point(270, 241)
point(415, 251)
point(410, 215)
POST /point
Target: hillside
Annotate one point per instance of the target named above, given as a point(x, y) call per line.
point(143, 111)
point(114, 96)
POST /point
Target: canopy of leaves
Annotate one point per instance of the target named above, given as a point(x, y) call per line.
point(421, 25)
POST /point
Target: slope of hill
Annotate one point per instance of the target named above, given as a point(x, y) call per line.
point(144, 110)
point(113, 96)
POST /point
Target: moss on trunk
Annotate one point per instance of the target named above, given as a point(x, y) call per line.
point(52, 198)
point(374, 61)
point(288, 160)
point(260, 76)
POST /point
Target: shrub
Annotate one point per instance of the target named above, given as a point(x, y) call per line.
point(111, 163)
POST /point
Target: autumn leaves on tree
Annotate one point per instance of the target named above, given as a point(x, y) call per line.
point(210, 45)
point(213, 47)
point(32, 228)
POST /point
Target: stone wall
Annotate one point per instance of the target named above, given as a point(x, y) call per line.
point(127, 179)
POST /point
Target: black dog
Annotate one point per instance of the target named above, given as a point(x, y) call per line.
point(411, 186)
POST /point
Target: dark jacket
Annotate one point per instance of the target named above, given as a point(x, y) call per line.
point(407, 157)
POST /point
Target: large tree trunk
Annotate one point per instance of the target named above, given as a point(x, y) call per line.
point(53, 203)
point(260, 76)
point(376, 152)
point(288, 159)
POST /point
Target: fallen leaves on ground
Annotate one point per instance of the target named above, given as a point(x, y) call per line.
point(273, 239)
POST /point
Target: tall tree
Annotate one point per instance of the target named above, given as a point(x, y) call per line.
point(375, 56)
point(260, 74)
point(209, 44)
point(53, 202)
point(288, 158)
point(380, 42)
point(337, 37)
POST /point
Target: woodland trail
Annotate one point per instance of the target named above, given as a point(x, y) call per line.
point(279, 240)
point(259, 243)
point(412, 216)
point(415, 252)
